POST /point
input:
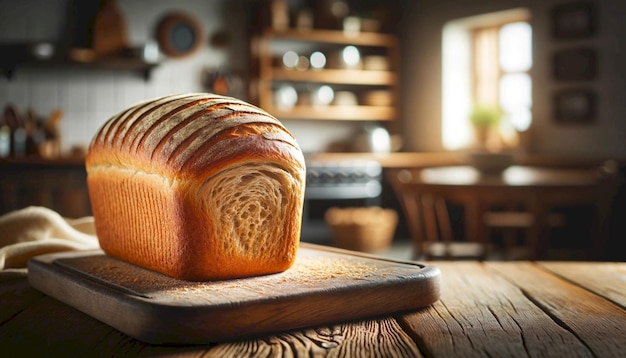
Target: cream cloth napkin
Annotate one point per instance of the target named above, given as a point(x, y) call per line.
point(37, 230)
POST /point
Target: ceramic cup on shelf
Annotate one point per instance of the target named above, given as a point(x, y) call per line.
point(372, 139)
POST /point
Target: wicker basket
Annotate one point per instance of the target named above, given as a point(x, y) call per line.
point(367, 229)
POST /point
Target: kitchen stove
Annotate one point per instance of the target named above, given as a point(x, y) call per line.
point(343, 180)
point(337, 184)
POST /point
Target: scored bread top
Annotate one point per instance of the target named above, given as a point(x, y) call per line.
point(192, 136)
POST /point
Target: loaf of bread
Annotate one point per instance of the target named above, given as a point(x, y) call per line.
point(198, 187)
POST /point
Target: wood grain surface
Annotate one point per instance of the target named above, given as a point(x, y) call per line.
point(607, 279)
point(324, 286)
point(604, 335)
point(492, 309)
point(485, 315)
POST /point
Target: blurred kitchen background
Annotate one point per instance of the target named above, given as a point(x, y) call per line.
point(365, 86)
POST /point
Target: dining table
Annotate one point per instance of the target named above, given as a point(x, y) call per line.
point(485, 309)
point(522, 196)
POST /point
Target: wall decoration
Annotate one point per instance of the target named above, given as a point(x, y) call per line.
point(575, 65)
point(573, 21)
point(575, 106)
point(179, 35)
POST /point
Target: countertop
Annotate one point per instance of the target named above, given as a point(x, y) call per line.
point(497, 309)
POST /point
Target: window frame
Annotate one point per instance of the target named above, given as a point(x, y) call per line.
point(459, 82)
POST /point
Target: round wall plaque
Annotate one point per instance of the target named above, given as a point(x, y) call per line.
point(179, 35)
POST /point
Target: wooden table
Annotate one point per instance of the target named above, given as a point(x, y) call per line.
point(497, 309)
point(535, 191)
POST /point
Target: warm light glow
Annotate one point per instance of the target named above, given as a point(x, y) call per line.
point(516, 84)
point(516, 99)
point(456, 94)
point(485, 59)
point(515, 92)
point(516, 47)
point(486, 68)
point(520, 119)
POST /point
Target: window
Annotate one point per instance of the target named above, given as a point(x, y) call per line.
point(486, 60)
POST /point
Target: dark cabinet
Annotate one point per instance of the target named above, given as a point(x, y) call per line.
point(59, 185)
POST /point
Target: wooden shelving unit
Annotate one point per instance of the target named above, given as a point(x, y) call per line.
point(351, 113)
point(334, 76)
point(333, 36)
point(269, 46)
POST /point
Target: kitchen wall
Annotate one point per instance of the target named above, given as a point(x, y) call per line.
point(89, 97)
point(422, 23)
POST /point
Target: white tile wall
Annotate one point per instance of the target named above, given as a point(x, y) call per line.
point(90, 97)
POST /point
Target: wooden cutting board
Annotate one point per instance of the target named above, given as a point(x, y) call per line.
point(110, 35)
point(324, 286)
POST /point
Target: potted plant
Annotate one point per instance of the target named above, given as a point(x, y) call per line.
point(487, 158)
point(484, 119)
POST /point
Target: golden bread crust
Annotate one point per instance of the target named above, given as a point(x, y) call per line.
point(197, 187)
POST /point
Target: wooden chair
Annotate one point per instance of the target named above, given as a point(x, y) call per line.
point(426, 211)
point(429, 224)
point(513, 223)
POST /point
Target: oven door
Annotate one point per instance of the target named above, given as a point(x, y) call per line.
point(337, 184)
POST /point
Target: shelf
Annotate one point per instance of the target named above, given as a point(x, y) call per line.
point(336, 76)
point(340, 113)
point(21, 56)
point(333, 37)
point(270, 74)
point(121, 64)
